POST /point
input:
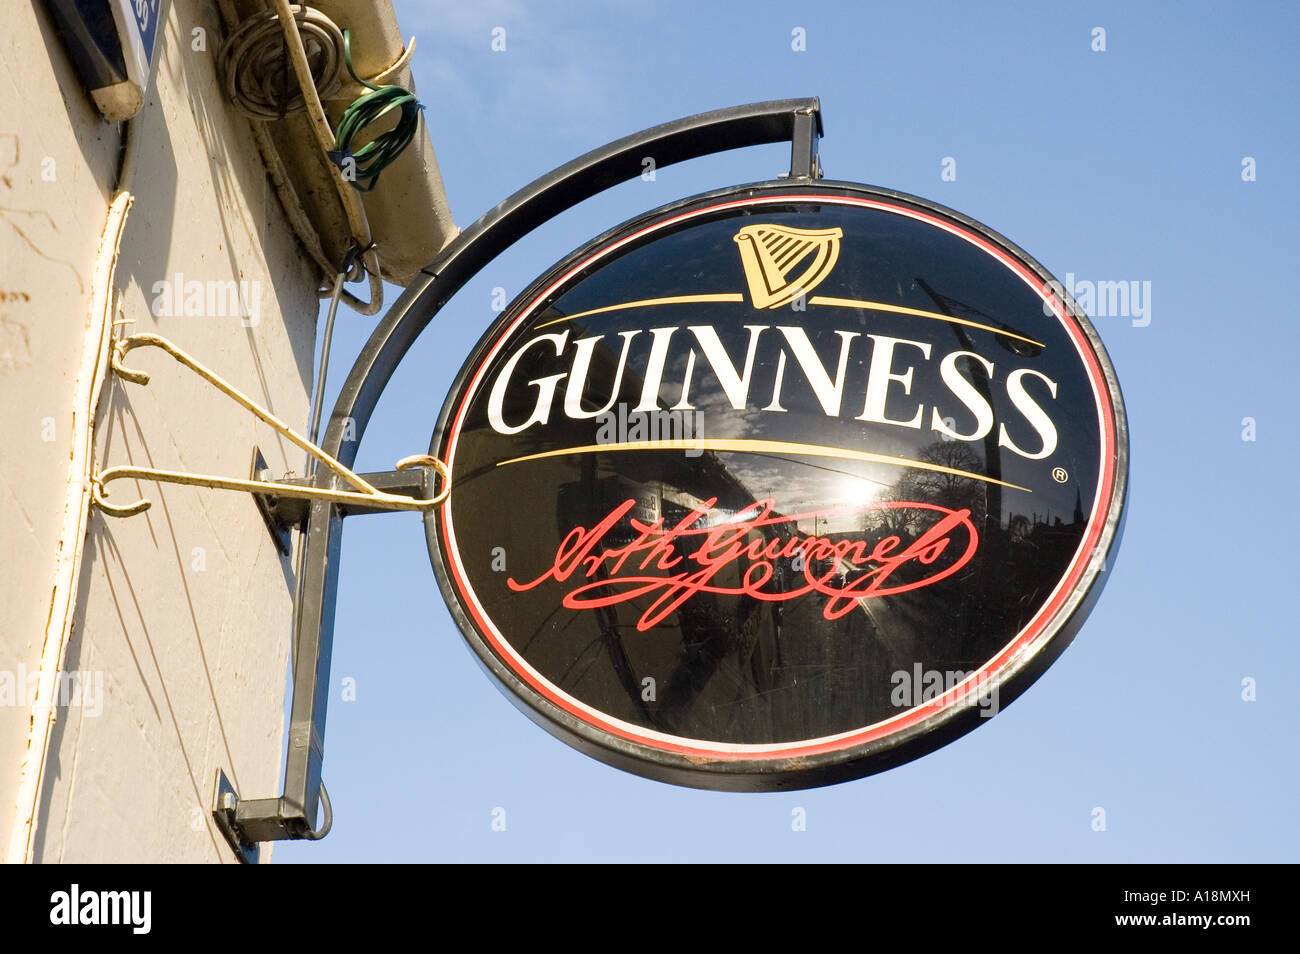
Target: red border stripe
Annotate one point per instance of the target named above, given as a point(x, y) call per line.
point(990, 670)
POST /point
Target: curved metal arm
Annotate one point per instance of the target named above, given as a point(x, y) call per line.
point(538, 202)
point(792, 120)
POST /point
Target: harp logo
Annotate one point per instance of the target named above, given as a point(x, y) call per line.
point(771, 253)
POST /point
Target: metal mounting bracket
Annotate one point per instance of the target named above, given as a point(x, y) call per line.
point(369, 497)
point(224, 802)
point(268, 506)
point(805, 160)
point(797, 121)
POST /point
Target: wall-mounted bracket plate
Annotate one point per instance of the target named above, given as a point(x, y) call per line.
point(267, 506)
point(225, 801)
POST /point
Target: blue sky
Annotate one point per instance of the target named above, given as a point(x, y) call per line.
point(1117, 165)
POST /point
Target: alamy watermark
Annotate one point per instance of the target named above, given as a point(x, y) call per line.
point(133, 909)
point(76, 688)
point(918, 686)
point(621, 426)
point(177, 297)
point(1103, 299)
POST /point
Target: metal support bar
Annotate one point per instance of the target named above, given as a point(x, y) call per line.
point(365, 495)
point(790, 120)
point(274, 490)
point(805, 163)
point(392, 483)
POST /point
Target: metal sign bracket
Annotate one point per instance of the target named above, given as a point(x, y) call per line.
point(224, 802)
point(313, 504)
point(805, 162)
point(365, 497)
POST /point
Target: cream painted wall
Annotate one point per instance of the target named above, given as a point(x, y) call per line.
point(183, 613)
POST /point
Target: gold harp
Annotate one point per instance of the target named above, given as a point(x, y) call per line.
point(770, 253)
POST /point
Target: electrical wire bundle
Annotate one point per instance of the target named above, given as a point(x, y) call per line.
point(288, 60)
point(261, 83)
point(372, 158)
point(255, 61)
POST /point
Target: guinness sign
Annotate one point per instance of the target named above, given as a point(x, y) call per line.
point(779, 486)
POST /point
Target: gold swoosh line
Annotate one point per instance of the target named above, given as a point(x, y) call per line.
point(917, 313)
point(815, 300)
point(747, 445)
point(674, 300)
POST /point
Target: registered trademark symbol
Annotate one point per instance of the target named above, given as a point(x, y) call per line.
point(1059, 475)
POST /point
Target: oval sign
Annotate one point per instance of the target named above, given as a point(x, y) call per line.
point(779, 486)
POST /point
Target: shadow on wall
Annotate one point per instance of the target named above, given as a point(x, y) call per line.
point(242, 173)
point(134, 610)
point(246, 209)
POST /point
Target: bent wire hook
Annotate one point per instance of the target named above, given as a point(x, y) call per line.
point(364, 492)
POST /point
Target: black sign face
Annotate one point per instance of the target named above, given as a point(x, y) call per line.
point(779, 486)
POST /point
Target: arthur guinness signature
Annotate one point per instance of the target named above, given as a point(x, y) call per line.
point(694, 558)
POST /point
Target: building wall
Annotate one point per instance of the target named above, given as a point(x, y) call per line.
point(182, 621)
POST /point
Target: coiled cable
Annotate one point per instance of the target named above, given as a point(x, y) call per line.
point(372, 158)
point(255, 61)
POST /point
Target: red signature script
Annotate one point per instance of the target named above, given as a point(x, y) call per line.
point(692, 556)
